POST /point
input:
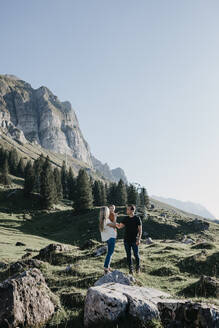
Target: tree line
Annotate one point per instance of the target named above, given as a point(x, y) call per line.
point(54, 184)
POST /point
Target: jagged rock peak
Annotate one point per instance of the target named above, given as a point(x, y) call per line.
point(113, 175)
point(12, 77)
point(42, 118)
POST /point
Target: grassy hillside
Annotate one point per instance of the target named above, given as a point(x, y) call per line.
point(30, 151)
point(167, 264)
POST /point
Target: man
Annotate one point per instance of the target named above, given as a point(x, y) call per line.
point(132, 237)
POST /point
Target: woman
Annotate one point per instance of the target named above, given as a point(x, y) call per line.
point(108, 234)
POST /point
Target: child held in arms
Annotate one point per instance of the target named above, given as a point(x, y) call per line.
point(112, 215)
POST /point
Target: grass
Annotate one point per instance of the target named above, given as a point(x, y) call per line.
point(167, 264)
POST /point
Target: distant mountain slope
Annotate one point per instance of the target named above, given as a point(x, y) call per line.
point(189, 207)
point(38, 117)
point(104, 169)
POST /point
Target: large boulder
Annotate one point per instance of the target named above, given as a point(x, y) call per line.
point(104, 304)
point(111, 301)
point(186, 314)
point(22, 265)
point(117, 277)
point(26, 300)
point(52, 248)
point(53, 252)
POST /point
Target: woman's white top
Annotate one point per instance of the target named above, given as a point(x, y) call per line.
point(108, 232)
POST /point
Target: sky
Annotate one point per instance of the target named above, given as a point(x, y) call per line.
point(142, 76)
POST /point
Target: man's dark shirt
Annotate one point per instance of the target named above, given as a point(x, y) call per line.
point(131, 228)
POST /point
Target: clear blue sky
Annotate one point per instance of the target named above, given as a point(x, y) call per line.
point(143, 77)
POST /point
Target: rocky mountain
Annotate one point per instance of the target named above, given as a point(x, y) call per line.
point(104, 169)
point(189, 207)
point(39, 117)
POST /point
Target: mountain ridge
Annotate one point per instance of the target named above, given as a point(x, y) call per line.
point(39, 117)
point(187, 206)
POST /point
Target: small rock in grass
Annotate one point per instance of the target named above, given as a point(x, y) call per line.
point(100, 251)
point(18, 243)
point(117, 277)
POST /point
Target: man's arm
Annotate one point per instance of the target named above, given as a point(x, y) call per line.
point(139, 235)
point(120, 225)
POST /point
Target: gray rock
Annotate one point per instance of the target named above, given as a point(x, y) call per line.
point(187, 240)
point(100, 251)
point(112, 300)
point(23, 265)
point(142, 309)
point(104, 169)
point(19, 243)
point(46, 252)
point(40, 117)
point(68, 268)
point(103, 304)
point(149, 241)
point(26, 300)
point(188, 314)
point(117, 277)
point(37, 116)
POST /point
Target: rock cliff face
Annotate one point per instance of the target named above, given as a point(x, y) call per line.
point(38, 116)
point(113, 175)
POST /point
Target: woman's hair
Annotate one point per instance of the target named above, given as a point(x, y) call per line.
point(104, 214)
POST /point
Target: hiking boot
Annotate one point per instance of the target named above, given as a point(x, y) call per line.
point(131, 270)
point(138, 270)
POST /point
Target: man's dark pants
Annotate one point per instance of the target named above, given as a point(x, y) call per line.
point(128, 246)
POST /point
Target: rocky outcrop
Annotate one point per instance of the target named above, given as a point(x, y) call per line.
point(113, 175)
point(22, 265)
point(185, 314)
point(115, 276)
point(112, 301)
point(26, 301)
point(103, 304)
point(118, 174)
point(48, 253)
point(40, 117)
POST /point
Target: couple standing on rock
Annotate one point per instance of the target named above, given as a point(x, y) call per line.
point(132, 236)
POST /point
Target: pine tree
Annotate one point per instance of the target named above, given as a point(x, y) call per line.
point(144, 198)
point(84, 199)
point(21, 168)
point(4, 177)
point(2, 157)
point(29, 179)
point(132, 194)
point(71, 184)
point(97, 193)
point(47, 185)
point(112, 194)
point(121, 194)
point(64, 179)
point(37, 167)
point(13, 161)
point(58, 185)
point(103, 194)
